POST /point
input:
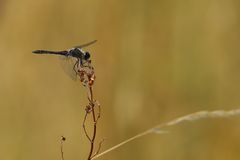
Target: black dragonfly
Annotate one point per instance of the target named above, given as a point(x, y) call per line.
point(75, 56)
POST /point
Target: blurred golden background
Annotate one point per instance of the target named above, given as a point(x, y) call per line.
point(155, 60)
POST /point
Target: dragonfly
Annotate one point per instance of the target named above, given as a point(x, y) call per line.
point(74, 57)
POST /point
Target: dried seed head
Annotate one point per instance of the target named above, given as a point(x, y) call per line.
point(88, 109)
point(63, 138)
point(86, 74)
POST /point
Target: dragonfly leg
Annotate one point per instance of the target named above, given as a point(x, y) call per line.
point(86, 63)
point(74, 67)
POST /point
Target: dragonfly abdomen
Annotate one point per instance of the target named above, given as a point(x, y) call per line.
point(50, 52)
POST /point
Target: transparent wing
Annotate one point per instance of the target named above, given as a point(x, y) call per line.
point(86, 44)
point(67, 63)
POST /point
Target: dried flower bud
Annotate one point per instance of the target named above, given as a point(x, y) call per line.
point(63, 138)
point(86, 74)
point(88, 109)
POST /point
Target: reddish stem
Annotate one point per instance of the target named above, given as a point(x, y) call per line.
point(94, 123)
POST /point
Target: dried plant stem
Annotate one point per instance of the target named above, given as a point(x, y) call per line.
point(190, 117)
point(94, 118)
point(99, 147)
point(84, 127)
point(62, 157)
point(94, 134)
point(87, 77)
point(62, 140)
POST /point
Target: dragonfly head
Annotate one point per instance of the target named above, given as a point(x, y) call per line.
point(87, 56)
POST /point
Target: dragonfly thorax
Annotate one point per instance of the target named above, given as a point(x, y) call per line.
point(78, 53)
point(75, 52)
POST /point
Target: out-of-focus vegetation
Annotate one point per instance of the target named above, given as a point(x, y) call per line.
point(155, 60)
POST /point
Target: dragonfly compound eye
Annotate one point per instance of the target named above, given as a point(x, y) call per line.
point(87, 55)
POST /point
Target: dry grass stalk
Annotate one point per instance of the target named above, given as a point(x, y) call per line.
point(190, 117)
